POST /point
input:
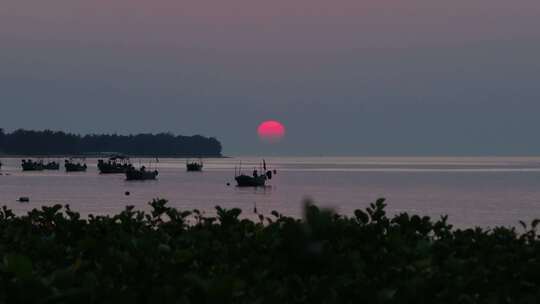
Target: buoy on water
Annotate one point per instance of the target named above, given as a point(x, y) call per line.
point(127, 193)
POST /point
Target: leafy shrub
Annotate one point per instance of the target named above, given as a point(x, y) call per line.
point(52, 255)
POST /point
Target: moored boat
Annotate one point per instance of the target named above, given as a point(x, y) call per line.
point(52, 166)
point(30, 165)
point(256, 179)
point(116, 164)
point(140, 174)
point(243, 180)
point(72, 166)
point(24, 199)
point(194, 166)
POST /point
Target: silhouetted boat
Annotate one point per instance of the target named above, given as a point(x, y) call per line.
point(52, 166)
point(140, 174)
point(72, 166)
point(256, 179)
point(243, 180)
point(24, 199)
point(30, 165)
point(114, 165)
point(193, 166)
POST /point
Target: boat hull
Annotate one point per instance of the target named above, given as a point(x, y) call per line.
point(75, 167)
point(194, 167)
point(250, 181)
point(52, 166)
point(132, 175)
point(33, 169)
point(113, 167)
point(32, 166)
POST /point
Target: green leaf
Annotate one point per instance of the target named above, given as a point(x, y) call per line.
point(19, 265)
point(386, 294)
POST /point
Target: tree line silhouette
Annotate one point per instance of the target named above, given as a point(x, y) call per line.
point(47, 142)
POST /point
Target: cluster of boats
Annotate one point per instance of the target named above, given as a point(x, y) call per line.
point(30, 165)
point(120, 164)
point(39, 165)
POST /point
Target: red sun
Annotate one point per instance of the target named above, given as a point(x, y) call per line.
point(271, 131)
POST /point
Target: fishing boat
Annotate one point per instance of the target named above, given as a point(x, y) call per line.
point(243, 180)
point(24, 199)
point(194, 166)
point(52, 166)
point(140, 174)
point(30, 165)
point(73, 166)
point(255, 179)
point(116, 164)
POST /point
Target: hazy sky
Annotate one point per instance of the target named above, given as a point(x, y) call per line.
point(349, 77)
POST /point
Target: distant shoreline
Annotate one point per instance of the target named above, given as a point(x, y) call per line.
point(105, 155)
point(49, 143)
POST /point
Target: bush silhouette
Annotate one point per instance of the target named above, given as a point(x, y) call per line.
point(52, 255)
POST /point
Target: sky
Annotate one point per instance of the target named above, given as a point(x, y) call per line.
point(345, 77)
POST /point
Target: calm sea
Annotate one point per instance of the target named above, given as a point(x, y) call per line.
point(475, 191)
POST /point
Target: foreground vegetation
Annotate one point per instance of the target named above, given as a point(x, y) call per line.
point(169, 256)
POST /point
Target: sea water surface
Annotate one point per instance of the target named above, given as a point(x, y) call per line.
point(472, 191)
